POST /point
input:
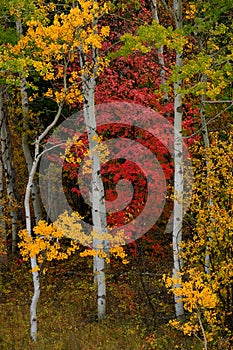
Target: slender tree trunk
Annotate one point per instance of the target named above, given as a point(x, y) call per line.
point(97, 192)
point(8, 164)
point(3, 236)
point(97, 188)
point(160, 50)
point(35, 273)
point(28, 193)
point(205, 135)
point(35, 193)
point(32, 192)
point(178, 172)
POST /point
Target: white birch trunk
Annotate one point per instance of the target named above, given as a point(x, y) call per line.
point(160, 49)
point(35, 274)
point(97, 188)
point(35, 197)
point(9, 171)
point(178, 173)
point(31, 191)
point(28, 193)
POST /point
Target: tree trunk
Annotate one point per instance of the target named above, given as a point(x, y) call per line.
point(97, 188)
point(3, 236)
point(154, 6)
point(28, 193)
point(206, 140)
point(178, 172)
point(8, 165)
point(35, 192)
point(35, 273)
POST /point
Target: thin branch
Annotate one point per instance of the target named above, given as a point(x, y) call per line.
point(50, 149)
point(169, 10)
point(219, 101)
point(111, 46)
point(209, 121)
point(46, 131)
point(202, 328)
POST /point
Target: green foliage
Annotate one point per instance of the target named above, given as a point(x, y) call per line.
point(7, 35)
point(149, 36)
point(209, 51)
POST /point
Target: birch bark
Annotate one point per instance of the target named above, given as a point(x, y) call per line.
point(8, 165)
point(178, 171)
point(35, 197)
point(35, 274)
point(97, 188)
point(33, 260)
point(160, 49)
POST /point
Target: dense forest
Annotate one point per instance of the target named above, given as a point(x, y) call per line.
point(116, 181)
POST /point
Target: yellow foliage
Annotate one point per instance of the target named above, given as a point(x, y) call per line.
point(46, 243)
point(208, 297)
point(100, 150)
point(199, 300)
point(35, 269)
point(191, 11)
point(51, 48)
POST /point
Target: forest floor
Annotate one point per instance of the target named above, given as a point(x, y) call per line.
point(138, 309)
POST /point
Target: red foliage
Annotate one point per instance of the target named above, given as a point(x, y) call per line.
point(118, 168)
point(135, 79)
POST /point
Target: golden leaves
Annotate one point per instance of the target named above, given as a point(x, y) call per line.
point(45, 245)
point(191, 11)
point(205, 295)
point(116, 252)
point(100, 149)
point(46, 242)
point(67, 32)
point(199, 300)
point(51, 48)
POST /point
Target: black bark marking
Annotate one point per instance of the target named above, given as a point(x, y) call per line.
point(179, 109)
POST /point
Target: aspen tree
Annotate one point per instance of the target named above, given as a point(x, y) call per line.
point(157, 35)
point(97, 189)
point(47, 47)
point(178, 169)
point(154, 5)
point(25, 141)
point(8, 164)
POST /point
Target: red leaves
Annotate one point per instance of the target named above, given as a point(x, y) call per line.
point(131, 79)
point(117, 169)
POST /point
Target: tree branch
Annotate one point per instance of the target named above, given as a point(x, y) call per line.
point(209, 121)
point(169, 10)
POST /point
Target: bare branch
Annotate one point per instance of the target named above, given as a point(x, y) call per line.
point(169, 10)
point(219, 101)
point(209, 121)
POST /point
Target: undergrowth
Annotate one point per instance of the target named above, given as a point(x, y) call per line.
point(67, 310)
